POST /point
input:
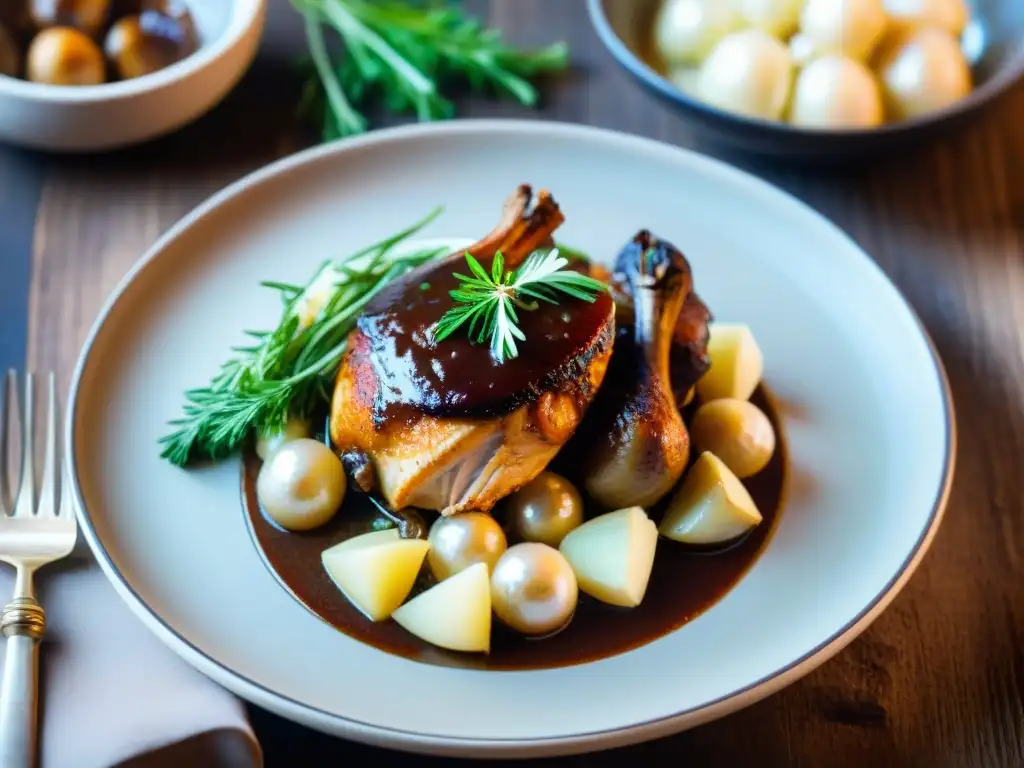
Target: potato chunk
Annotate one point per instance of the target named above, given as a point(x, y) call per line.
point(711, 507)
point(612, 555)
point(454, 614)
point(736, 363)
point(375, 571)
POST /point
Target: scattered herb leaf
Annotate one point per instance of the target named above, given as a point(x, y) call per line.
point(287, 371)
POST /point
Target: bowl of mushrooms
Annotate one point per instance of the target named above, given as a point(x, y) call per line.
point(818, 79)
point(95, 75)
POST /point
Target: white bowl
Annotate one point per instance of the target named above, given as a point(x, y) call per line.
point(102, 117)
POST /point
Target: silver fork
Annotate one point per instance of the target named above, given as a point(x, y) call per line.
point(34, 533)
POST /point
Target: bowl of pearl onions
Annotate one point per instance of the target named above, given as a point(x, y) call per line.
point(817, 79)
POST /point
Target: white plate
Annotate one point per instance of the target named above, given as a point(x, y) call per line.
point(866, 412)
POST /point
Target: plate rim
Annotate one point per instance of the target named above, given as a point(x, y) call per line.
point(410, 740)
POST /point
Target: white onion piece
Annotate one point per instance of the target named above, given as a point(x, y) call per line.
point(927, 72)
point(853, 28)
point(750, 73)
point(685, 31)
point(836, 92)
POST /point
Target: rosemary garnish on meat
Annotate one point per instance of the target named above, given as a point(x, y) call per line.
point(490, 302)
point(287, 372)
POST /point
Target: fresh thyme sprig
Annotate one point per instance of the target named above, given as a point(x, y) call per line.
point(489, 302)
point(404, 52)
point(287, 371)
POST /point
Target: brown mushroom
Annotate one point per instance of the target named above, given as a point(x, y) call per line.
point(174, 23)
point(637, 443)
point(88, 16)
point(140, 45)
point(65, 56)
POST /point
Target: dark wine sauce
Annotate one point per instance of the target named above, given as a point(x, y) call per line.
point(685, 581)
point(462, 378)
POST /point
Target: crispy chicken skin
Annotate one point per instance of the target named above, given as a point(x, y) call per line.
point(440, 425)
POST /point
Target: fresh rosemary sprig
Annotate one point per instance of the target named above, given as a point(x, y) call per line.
point(403, 53)
point(287, 371)
point(489, 303)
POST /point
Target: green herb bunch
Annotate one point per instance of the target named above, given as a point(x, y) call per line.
point(287, 372)
point(404, 53)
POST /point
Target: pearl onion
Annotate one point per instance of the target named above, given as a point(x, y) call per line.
point(836, 92)
point(534, 589)
point(686, 30)
point(269, 442)
point(459, 541)
point(545, 509)
point(851, 27)
point(737, 432)
point(926, 73)
point(776, 17)
point(749, 72)
point(950, 15)
point(302, 485)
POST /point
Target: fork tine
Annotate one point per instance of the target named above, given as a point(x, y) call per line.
point(6, 498)
point(26, 504)
point(48, 488)
point(66, 510)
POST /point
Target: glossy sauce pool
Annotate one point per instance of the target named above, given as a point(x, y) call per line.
point(683, 584)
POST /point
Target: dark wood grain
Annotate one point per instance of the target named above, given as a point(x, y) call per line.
point(21, 179)
point(938, 680)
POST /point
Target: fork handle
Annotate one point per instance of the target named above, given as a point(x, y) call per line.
point(23, 623)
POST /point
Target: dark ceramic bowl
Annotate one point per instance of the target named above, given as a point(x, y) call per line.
point(624, 27)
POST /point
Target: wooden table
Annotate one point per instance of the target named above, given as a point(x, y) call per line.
point(938, 680)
